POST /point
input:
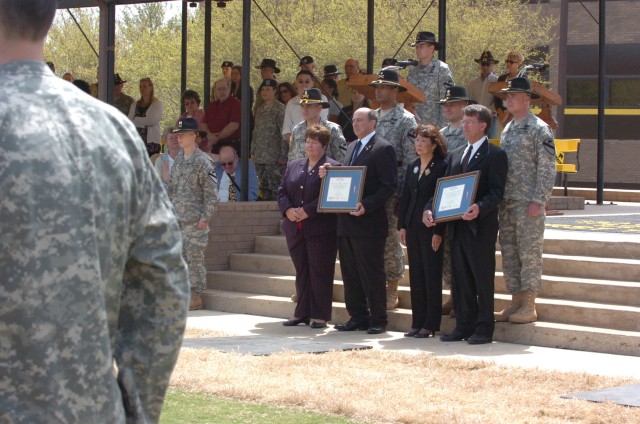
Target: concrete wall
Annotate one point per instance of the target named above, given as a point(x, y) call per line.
point(234, 227)
point(621, 163)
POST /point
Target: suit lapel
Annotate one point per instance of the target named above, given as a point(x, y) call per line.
point(365, 151)
point(456, 158)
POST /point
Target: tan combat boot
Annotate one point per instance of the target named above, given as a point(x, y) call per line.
point(196, 301)
point(392, 294)
point(447, 306)
point(526, 313)
point(516, 303)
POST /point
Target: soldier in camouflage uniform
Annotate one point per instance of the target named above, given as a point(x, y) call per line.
point(394, 125)
point(528, 142)
point(455, 100)
point(432, 77)
point(269, 149)
point(312, 104)
point(94, 293)
point(193, 190)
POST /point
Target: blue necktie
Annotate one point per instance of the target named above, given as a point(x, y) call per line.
point(355, 152)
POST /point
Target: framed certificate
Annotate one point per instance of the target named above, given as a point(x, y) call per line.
point(454, 195)
point(341, 189)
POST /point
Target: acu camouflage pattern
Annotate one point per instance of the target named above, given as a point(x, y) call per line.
point(123, 104)
point(393, 254)
point(395, 127)
point(454, 137)
point(268, 146)
point(193, 189)
point(94, 291)
point(433, 80)
point(531, 154)
point(336, 149)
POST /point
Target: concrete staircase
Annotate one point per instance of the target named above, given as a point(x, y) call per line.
point(590, 298)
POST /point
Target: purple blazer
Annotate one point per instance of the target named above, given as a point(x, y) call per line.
point(300, 187)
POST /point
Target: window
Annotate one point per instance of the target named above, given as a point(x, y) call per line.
point(582, 91)
point(624, 92)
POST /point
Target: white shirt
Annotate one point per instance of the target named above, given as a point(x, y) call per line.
point(479, 91)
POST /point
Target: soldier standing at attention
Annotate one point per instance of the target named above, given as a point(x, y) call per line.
point(94, 292)
point(193, 190)
point(269, 149)
point(528, 142)
point(394, 125)
point(432, 77)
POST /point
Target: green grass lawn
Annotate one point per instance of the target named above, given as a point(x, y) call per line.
point(185, 407)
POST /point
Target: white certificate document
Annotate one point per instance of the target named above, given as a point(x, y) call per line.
point(451, 198)
point(339, 188)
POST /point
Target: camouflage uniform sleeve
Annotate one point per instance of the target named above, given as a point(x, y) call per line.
point(408, 148)
point(446, 81)
point(284, 144)
point(546, 173)
point(338, 146)
point(209, 181)
point(154, 301)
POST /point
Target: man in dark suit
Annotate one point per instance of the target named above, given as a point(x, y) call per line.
point(362, 233)
point(473, 238)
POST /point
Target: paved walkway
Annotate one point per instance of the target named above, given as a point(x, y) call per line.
point(508, 354)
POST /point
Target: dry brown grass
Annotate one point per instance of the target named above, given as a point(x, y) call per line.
point(390, 387)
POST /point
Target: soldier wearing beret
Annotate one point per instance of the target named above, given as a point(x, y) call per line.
point(528, 142)
point(432, 76)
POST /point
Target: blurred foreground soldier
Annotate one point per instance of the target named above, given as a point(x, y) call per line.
point(394, 125)
point(432, 76)
point(94, 291)
point(455, 100)
point(531, 151)
point(193, 190)
point(269, 149)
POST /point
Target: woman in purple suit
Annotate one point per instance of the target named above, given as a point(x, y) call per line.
point(311, 236)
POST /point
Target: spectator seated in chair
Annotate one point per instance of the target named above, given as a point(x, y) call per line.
point(229, 173)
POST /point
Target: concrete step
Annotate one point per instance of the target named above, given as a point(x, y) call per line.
point(620, 317)
point(539, 333)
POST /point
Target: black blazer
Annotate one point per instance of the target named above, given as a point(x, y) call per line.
point(301, 188)
point(380, 183)
point(418, 191)
point(492, 163)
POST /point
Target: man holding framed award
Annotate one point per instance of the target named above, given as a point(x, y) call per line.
point(362, 233)
point(473, 235)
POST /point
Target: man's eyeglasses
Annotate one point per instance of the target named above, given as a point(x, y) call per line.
point(227, 164)
point(510, 62)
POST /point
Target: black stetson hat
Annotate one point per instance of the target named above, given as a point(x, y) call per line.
point(313, 96)
point(389, 78)
point(188, 125)
point(455, 93)
point(389, 62)
point(269, 83)
point(520, 85)
point(306, 60)
point(227, 64)
point(486, 57)
point(425, 37)
point(269, 63)
point(331, 70)
point(117, 80)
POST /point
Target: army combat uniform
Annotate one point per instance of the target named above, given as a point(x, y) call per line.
point(531, 154)
point(94, 292)
point(268, 146)
point(433, 80)
point(394, 126)
point(335, 150)
point(454, 137)
point(193, 189)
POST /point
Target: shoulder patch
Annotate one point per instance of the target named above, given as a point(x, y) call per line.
point(549, 146)
point(213, 176)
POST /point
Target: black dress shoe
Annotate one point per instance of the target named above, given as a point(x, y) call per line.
point(376, 329)
point(454, 336)
point(476, 340)
point(316, 324)
point(424, 334)
point(352, 326)
point(412, 332)
point(294, 322)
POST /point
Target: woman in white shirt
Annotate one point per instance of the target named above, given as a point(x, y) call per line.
point(146, 114)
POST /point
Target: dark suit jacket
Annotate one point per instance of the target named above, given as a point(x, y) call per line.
point(300, 188)
point(491, 161)
point(380, 183)
point(418, 191)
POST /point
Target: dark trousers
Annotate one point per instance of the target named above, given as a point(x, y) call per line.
point(425, 278)
point(365, 291)
point(474, 267)
point(315, 261)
